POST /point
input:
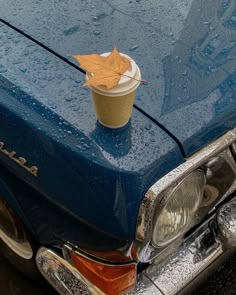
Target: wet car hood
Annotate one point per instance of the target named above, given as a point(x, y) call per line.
point(186, 51)
point(93, 173)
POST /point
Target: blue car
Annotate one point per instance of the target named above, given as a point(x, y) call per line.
point(148, 208)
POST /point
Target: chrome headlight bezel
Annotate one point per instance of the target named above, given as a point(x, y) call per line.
point(168, 197)
point(216, 159)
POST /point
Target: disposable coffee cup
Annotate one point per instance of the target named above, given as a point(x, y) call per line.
point(114, 106)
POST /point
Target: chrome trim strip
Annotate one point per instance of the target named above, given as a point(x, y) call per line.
point(195, 161)
point(67, 247)
point(145, 217)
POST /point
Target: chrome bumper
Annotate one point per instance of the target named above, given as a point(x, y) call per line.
point(204, 247)
point(183, 267)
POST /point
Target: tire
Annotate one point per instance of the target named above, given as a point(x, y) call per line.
point(16, 244)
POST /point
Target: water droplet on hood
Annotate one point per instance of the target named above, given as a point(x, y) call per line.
point(72, 30)
point(2, 69)
point(148, 126)
point(97, 32)
point(133, 48)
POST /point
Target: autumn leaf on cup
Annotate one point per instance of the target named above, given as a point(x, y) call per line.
point(104, 70)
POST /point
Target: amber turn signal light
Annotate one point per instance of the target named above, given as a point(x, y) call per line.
point(111, 279)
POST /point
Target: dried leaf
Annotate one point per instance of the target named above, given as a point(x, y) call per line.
point(106, 70)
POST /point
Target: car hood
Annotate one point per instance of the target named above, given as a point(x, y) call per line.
point(186, 51)
point(50, 138)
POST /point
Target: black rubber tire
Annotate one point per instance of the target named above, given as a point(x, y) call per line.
point(25, 266)
point(19, 233)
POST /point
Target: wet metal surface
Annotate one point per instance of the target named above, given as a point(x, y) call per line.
point(185, 50)
point(48, 105)
point(13, 283)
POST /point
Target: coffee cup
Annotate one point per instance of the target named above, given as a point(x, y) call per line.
point(114, 106)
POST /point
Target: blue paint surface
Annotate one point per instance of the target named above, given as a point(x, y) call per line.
point(97, 175)
point(50, 224)
point(185, 49)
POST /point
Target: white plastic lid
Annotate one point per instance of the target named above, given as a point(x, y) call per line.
point(126, 84)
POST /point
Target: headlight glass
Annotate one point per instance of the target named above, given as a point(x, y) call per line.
point(179, 208)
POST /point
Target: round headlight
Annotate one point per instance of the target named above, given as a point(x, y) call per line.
point(177, 210)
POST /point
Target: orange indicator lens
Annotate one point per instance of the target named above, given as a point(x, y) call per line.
point(110, 279)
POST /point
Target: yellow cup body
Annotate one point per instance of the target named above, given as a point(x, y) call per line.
point(113, 111)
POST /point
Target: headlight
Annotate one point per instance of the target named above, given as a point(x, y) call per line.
point(178, 208)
